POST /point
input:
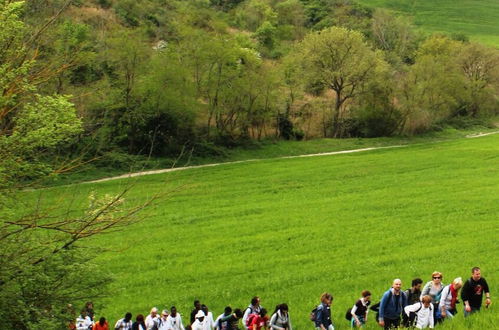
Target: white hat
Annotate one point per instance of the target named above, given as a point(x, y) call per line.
point(200, 314)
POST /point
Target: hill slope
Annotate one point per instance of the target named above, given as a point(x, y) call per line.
point(476, 18)
point(290, 229)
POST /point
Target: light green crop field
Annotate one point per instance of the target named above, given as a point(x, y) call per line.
point(479, 19)
point(289, 229)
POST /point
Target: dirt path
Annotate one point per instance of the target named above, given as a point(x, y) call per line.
point(174, 169)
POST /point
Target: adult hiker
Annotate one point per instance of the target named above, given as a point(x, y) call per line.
point(413, 296)
point(448, 299)
point(423, 310)
point(323, 320)
point(162, 325)
point(391, 306)
point(83, 322)
point(280, 320)
point(124, 323)
point(174, 320)
point(259, 321)
point(434, 289)
point(152, 320)
point(473, 290)
point(360, 309)
point(197, 308)
point(222, 325)
point(198, 323)
point(208, 323)
point(101, 325)
point(233, 319)
point(139, 323)
point(253, 308)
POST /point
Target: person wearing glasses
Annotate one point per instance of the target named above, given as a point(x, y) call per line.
point(174, 320)
point(162, 320)
point(434, 289)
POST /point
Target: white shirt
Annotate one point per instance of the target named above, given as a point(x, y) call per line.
point(217, 327)
point(445, 298)
point(208, 323)
point(162, 323)
point(150, 321)
point(174, 323)
point(425, 314)
point(197, 325)
point(83, 323)
point(122, 325)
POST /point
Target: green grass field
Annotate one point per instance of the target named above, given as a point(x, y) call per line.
point(289, 229)
point(479, 19)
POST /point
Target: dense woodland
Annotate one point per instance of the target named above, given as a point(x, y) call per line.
point(159, 75)
point(119, 77)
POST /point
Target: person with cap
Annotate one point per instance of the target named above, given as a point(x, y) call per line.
point(199, 320)
point(174, 321)
point(152, 320)
point(163, 319)
point(209, 323)
point(124, 323)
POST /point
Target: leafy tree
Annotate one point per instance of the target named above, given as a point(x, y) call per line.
point(432, 88)
point(480, 67)
point(41, 266)
point(340, 60)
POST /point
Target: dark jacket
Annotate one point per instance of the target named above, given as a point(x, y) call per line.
point(391, 307)
point(323, 316)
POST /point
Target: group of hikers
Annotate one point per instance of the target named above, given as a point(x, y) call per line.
point(417, 307)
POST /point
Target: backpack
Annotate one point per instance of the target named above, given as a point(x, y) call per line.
point(348, 314)
point(313, 315)
point(250, 319)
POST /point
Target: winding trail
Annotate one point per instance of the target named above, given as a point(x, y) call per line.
point(174, 169)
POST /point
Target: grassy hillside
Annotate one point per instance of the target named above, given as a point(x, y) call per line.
point(476, 18)
point(289, 229)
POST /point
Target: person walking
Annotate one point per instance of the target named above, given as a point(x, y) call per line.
point(360, 310)
point(391, 306)
point(139, 323)
point(199, 319)
point(208, 323)
point(434, 289)
point(323, 320)
point(219, 325)
point(280, 320)
point(413, 296)
point(260, 321)
point(163, 319)
point(473, 290)
point(124, 323)
point(101, 325)
point(424, 313)
point(197, 308)
point(253, 308)
point(152, 320)
point(83, 322)
point(448, 299)
point(174, 320)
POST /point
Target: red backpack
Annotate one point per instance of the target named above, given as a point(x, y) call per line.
point(250, 319)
